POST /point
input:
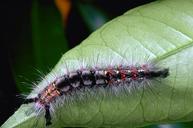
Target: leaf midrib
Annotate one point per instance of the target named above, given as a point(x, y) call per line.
point(175, 51)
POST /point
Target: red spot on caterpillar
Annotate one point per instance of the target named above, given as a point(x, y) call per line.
point(122, 73)
point(109, 74)
point(134, 73)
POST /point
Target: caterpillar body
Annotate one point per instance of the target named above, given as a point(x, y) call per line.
point(93, 78)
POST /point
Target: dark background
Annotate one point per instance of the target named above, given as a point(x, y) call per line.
point(34, 34)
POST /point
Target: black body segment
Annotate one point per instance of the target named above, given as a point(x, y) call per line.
point(160, 73)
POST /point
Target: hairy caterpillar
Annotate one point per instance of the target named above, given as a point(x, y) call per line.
point(94, 78)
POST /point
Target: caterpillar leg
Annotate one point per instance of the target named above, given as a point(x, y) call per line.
point(47, 115)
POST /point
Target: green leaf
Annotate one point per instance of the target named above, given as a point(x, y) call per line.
point(160, 31)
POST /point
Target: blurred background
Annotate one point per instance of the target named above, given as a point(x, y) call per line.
point(35, 34)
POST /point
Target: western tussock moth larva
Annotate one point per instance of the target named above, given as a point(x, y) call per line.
point(110, 80)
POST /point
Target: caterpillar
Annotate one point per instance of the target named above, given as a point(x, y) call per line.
point(93, 78)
